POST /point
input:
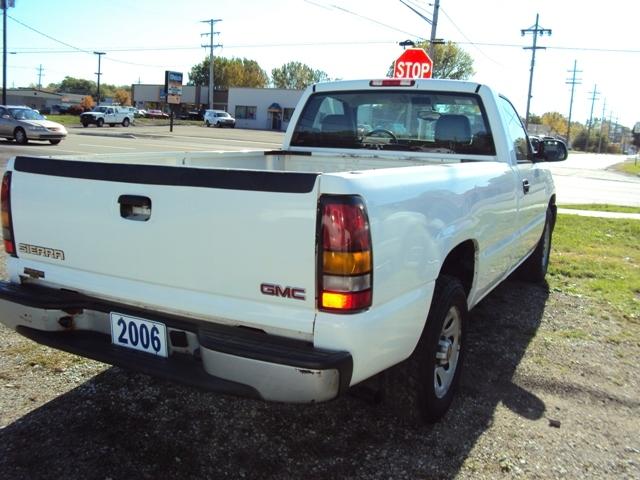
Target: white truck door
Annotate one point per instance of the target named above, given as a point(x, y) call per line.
point(530, 189)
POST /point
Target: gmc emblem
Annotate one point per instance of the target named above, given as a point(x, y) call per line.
point(284, 292)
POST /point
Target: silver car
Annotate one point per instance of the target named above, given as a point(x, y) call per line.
point(22, 124)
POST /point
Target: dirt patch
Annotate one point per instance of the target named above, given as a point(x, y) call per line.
point(550, 390)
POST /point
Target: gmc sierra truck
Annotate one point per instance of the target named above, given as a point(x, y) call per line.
point(393, 207)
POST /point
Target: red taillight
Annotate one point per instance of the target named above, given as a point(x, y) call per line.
point(7, 224)
point(345, 260)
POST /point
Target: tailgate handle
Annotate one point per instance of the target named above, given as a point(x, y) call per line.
point(135, 207)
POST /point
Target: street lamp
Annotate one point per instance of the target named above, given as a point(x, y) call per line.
point(98, 74)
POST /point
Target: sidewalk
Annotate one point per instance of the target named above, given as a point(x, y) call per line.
point(593, 213)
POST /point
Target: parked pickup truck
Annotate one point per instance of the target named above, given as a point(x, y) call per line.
point(393, 208)
point(110, 115)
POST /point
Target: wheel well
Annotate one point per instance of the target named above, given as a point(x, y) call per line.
point(461, 263)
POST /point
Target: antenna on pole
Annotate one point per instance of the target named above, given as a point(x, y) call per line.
point(535, 30)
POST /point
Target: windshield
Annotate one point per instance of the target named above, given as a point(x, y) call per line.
point(100, 109)
point(25, 114)
point(393, 120)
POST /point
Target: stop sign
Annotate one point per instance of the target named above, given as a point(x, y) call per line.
point(413, 63)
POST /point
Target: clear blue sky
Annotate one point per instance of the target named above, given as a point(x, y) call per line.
point(345, 38)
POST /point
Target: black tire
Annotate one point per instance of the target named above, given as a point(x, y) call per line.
point(534, 268)
point(54, 142)
point(100, 122)
point(85, 124)
point(125, 122)
point(417, 389)
point(20, 136)
point(207, 124)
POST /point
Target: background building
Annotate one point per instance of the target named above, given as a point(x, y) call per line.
point(258, 108)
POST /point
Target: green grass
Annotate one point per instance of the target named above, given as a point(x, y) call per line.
point(598, 258)
point(631, 166)
point(602, 207)
point(74, 121)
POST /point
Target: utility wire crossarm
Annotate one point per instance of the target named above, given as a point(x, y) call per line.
point(535, 30)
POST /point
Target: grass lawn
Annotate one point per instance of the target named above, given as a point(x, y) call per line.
point(631, 167)
point(74, 121)
point(598, 258)
point(602, 207)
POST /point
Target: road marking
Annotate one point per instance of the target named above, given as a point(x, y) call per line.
point(105, 146)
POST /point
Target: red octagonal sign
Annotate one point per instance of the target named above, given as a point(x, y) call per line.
point(413, 63)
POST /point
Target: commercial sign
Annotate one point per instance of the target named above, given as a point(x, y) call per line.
point(413, 63)
point(173, 86)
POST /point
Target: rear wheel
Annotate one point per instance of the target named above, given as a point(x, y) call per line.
point(423, 386)
point(100, 122)
point(20, 136)
point(125, 122)
point(54, 142)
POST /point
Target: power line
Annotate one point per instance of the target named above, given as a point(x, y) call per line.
point(467, 38)
point(594, 96)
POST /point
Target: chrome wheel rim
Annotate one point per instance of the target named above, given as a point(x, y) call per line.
point(447, 352)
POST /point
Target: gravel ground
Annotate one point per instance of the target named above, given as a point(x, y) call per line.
point(550, 390)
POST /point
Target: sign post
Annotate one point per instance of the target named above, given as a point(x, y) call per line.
point(413, 63)
point(172, 91)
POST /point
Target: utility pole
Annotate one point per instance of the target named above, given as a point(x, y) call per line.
point(535, 30)
point(594, 96)
point(604, 106)
point(573, 82)
point(434, 26)
point(40, 70)
point(5, 5)
point(98, 74)
point(431, 21)
point(211, 46)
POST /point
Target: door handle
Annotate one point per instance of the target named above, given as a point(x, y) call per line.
point(135, 207)
point(525, 186)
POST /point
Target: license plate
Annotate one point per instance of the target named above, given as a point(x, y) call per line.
point(139, 334)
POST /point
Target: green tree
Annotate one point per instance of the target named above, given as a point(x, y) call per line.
point(233, 72)
point(534, 119)
point(76, 85)
point(296, 75)
point(449, 61)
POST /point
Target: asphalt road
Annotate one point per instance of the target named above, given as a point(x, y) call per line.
point(582, 178)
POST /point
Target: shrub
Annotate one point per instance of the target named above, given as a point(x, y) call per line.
point(75, 110)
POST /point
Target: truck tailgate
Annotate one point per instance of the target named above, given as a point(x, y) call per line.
point(194, 241)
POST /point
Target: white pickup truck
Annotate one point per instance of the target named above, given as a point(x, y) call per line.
point(393, 207)
point(111, 115)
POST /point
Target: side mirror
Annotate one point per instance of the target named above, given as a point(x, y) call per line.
point(550, 150)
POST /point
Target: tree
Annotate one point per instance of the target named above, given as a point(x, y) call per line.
point(296, 75)
point(556, 122)
point(234, 72)
point(87, 103)
point(122, 97)
point(76, 85)
point(449, 61)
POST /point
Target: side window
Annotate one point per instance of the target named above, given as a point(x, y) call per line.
point(3, 112)
point(515, 130)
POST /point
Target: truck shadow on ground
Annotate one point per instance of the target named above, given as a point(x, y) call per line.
point(126, 425)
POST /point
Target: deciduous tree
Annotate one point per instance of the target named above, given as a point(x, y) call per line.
point(87, 102)
point(234, 72)
point(122, 97)
point(450, 61)
point(296, 75)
